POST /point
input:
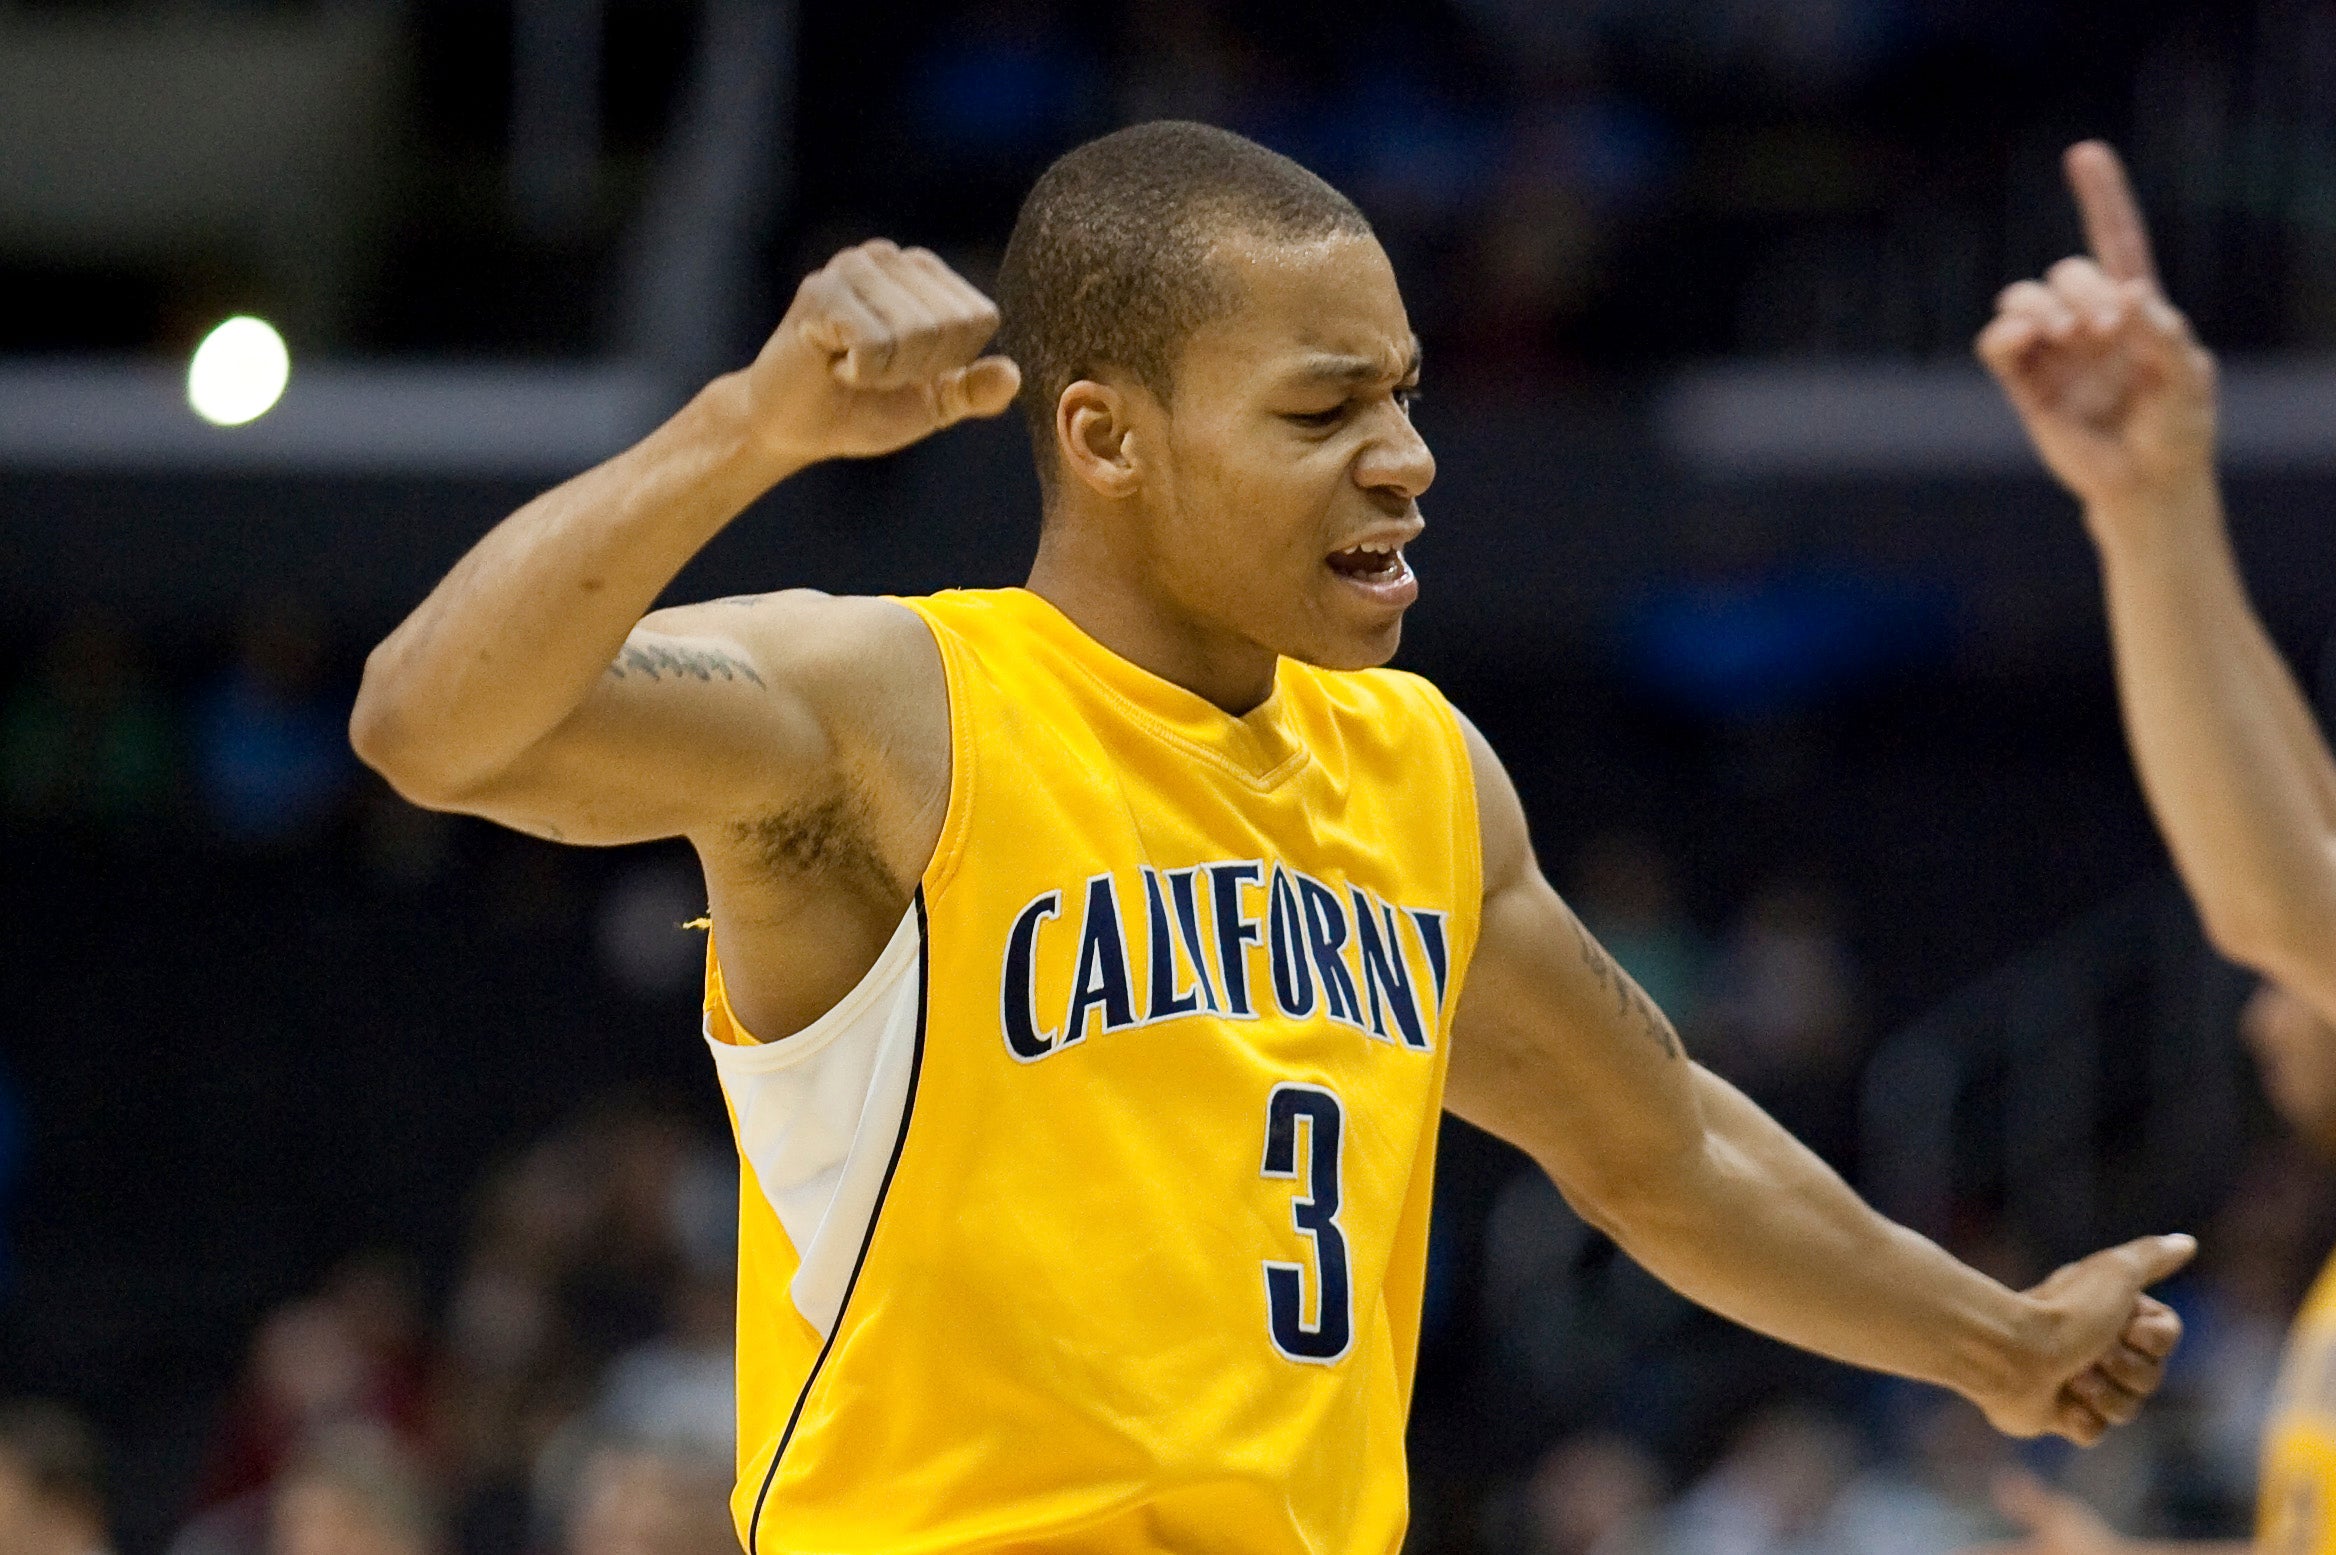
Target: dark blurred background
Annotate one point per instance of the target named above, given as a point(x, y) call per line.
point(361, 1159)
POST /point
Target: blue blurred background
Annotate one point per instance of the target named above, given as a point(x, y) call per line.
point(318, 1108)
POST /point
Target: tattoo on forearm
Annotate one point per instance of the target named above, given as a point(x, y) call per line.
point(658, 661)
point(1628, 1000)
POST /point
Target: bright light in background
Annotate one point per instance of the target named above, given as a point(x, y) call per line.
point(238, 372)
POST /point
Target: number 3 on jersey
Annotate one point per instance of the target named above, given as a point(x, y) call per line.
point(1314, 1214)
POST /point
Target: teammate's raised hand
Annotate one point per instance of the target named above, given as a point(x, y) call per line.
point(2104, 1344)
point(2114, 390)
point(881, 347)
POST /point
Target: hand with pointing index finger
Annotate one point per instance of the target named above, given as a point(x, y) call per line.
point(882, 346)
point(2114, 390)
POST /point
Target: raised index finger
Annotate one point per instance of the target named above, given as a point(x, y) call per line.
point(2113, 225)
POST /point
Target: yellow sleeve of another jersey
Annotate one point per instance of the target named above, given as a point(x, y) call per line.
point(2299, 1439)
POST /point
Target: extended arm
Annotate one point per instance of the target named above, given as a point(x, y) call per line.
point(2234, 768)
point(1557, 1051)
point(528, 687)
point(2120, 400)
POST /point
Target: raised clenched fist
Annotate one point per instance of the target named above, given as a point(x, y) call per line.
point(2114, 391)
point(882, 346)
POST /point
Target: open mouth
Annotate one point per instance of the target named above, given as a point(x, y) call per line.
point(1381, 563)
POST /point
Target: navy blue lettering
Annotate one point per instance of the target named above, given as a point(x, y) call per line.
point(1326, 936)
point(1102, 979)
point(1181, 886)
point(1386, 972)
point(1017, 999)
point(1293, 979)
point(1235, 933)
point(1160, 942)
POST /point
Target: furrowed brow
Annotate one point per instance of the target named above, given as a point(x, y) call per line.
point(1340, 368)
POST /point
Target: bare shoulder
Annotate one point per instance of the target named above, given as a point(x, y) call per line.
point(865, 684)
point(865, 668)
point(1506, 841)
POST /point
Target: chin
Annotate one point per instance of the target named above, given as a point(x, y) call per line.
point(1354, 650)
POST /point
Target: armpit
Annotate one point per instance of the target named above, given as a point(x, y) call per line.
point(831, 840)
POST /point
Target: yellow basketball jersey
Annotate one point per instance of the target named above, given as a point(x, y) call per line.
point(2299, 1440)
point(1096, 1217)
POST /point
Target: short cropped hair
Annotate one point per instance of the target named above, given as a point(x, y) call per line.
point(1109, 262)
point(56, 1452)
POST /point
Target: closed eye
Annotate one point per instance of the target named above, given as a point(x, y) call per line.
point(1317, 420)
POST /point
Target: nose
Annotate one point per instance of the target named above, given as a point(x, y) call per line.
point(1396, 464)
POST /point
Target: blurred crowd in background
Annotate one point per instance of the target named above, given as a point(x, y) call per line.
point(574, 1394)
point(1570, 189)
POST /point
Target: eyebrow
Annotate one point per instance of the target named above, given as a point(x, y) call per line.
point(1355, 369)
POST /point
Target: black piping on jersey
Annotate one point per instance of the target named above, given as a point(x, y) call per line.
point(908, 1107)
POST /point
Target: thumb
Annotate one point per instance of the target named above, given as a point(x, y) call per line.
point(2154, 1257)
point(980, 388)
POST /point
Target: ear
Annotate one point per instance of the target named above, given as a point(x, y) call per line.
point(1094, 432)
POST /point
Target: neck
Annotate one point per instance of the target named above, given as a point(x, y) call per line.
point(1119, 603)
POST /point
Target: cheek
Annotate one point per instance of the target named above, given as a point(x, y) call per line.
point(1259, 514)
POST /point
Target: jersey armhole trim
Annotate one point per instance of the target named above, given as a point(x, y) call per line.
point(1468, 826)
point(908, 1109)
point(949, 850)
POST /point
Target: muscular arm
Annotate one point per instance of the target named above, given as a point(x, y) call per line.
point(1557, 1051)
point(2236, 773)
point(527, 687)
point(2119, 399)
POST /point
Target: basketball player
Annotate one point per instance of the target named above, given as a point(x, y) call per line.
point(1092, 960)
point(2119, 399)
